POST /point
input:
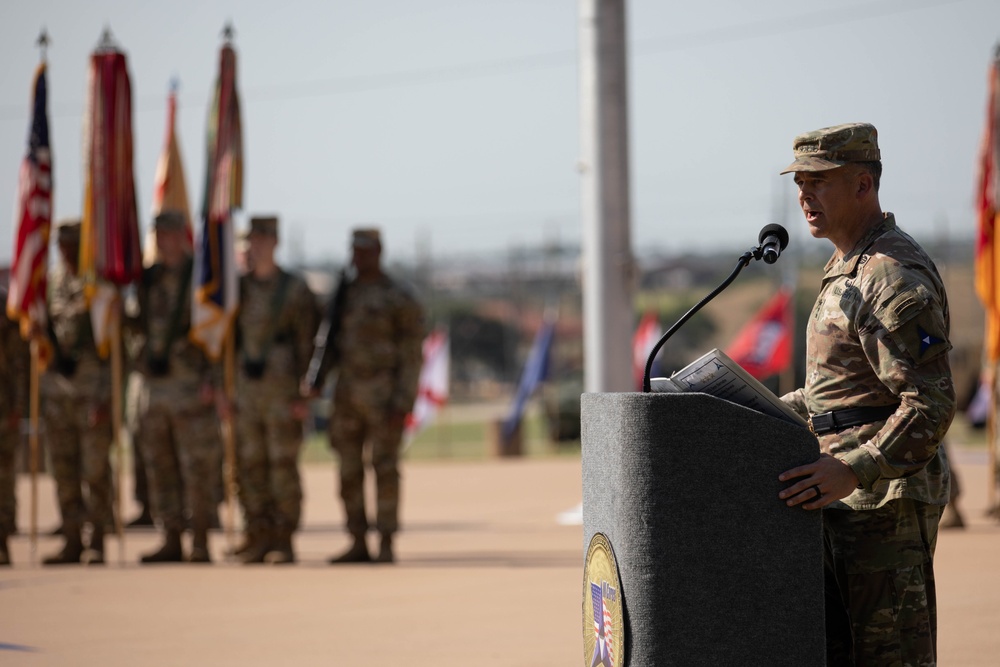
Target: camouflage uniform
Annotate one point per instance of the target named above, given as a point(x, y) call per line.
point(379, 347)
point(178, 431)
point(878, 336)
point(76, 407)
point(275, 329)
point(13, 400)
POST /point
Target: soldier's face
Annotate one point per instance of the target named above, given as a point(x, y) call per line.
point(70, 253)
point(366, 259)
point(828, 200)
point(171, 244)
point(261, 248)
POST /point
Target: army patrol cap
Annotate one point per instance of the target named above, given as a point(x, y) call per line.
point(167, 220)
point(68, 231)
point(264, 224)
point(833, 147)
point(368, 237)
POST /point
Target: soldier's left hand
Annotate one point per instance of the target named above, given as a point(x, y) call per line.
point(825, 480)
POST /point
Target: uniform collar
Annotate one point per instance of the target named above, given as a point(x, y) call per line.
point(846, 265)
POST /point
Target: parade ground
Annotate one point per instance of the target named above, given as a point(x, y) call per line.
point(486, 575)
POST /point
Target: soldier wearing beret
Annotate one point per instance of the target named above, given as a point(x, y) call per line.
point(879, 397)
point(177, 423)
point(377, 356)
point(76, 409)
point(275, 327)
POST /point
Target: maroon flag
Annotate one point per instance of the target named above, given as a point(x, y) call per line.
point(764, 346)
point(109, 238)
point(26, 296)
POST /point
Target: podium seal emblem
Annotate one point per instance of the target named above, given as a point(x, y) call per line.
point(603, 620)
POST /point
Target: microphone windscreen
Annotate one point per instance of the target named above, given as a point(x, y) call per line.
point(775, 230)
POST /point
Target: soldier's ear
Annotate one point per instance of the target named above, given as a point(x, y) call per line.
point(864, 182)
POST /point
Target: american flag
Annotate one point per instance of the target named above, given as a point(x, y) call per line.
point(28, 284)
point(603, 626)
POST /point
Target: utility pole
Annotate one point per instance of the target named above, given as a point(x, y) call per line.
point(608, 266)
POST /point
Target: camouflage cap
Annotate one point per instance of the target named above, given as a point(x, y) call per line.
point(68, 231)
point(170, 219)
point(832, 147)
point(368, 237)
point(264, 224)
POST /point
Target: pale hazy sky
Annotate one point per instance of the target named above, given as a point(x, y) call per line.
point(457, 120)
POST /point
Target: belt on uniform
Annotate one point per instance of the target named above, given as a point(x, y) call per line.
point(838, 420)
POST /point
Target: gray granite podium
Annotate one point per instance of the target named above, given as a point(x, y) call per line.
point(714, 568)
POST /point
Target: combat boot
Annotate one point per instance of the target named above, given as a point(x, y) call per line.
point(94, 554)
point(358, 553)
point(385, 550)
point(4, 553)
point(72, 548)
point(199, 542)
point(281, 552)
point(169, 552)
point(259, 543)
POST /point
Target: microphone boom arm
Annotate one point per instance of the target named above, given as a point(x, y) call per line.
point(754, 253)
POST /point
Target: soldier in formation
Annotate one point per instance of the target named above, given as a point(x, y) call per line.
point(76, 409)
point(376, 354)
point(275, 327)
point(13, 402)
point(177, 423)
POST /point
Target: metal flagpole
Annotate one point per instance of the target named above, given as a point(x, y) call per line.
point(117, 443)
point(33, 446)
point(608, 265)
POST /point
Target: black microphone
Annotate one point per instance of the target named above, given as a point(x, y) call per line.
point(773, 239)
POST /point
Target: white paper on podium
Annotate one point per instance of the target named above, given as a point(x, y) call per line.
point(715, 374)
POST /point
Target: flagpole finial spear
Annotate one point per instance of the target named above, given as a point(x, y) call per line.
point(43, 42)
point(107, 42)
point(228, 32)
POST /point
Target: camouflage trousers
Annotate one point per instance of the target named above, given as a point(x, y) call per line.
point(269, 438)
point(8, 476)
point(881, 606)
point(78, 435)
point(352, 425)
point(182, 450)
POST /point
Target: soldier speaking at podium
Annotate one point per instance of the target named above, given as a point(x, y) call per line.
point(879, 397)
